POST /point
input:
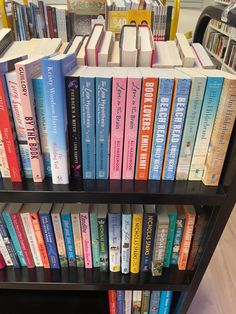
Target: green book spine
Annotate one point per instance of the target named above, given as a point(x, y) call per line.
point(145, 302)
point(95, 239)
point(170, 239)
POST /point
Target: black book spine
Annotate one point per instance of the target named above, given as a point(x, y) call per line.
point(168, 22)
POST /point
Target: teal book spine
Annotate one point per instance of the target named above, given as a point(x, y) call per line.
point(69, 240)
point(170, 239)
point(177, 240)
point(95, 239)
point(165, 302)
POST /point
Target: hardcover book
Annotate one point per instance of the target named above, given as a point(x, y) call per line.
point(172, 214)
point(94, 234)
point(75, 220)
point(86, 238)
point(114, 236)
point(179, 229)
point(103, 236)
point(126, 238)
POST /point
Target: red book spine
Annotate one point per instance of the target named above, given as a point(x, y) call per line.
point(112, 301)
point(19, 228)
point(2, 262)
point(50, 22)
point(9, 136)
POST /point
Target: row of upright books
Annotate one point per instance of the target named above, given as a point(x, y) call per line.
point(217, 43)
point(139, 302)
point(119, 238)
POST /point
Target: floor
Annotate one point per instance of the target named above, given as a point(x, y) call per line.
point(217, 291)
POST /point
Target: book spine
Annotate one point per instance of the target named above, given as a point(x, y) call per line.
point(145, 302)
point(170, 239)
point(134, 86)
point(177, 240)
point(47, 230)
point(208, 113)
point(2, 262)
point(42, 123)
point(103, 100)
point(120, 301)
point(12, 232)
point(220, 137)
point(160, 127)
point(8, 134)
point(126, 240)
point(165, 302)
point(103, 243)
point(74, 126)
point(85, 231)
point(87, 107)
point(117, 126)
point(68, 236)
point(154, 302)
point(17, 223)
point(137, 302)
point(177, 116)
point(128, 301)
point(190, 127)
point(147, 113)
point(114, 236)
point(149, 226)
point(112, 301)
point(58, 232)
point(136, 242)
point(75, 220)
point(39, 238)
point(27, 100)
point(4, 252)
point(4, 168)
point(95, 240)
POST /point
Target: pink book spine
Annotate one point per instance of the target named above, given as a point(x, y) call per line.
point(25, 74)
point(117, 126)
point(2, 262)
point(131, 127)
point(17, 223)
point(85, 231)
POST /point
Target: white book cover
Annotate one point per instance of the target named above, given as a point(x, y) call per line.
point(4, 252)
point(61, 24)
point(146, 51)
point(128, 46)
point(4, 168)
point(185, 50)
point(114, 57)
point(202, 56)
point(105, 49)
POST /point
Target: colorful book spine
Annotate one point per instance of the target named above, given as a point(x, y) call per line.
point(179, 229)
point(117, 125)
point(95, 239)
point(47, 229)
point(103, 243)
point(85, 231)
point(4, 168)
point(112, 301)
point(12, 232)
point(4, 252)
point(19, 121)
point(170, 238)
point(161, 122)
point(147, 113)
point(58, 232)
point(103, 100)
point(145, 302)
point(137, 302)
point(42, 123)
point(190, 128)
point(177, 116)
point(136, 241)
point(39, 238)
point(114, 236)
point(2, 262)
point(220, 137)
point(126, 240)
point(68, 236)
point(75, 220)
point(165, 302)
point(55, 97)
point(24, 74)
point(134, 86)
point(154, 302)
point(87, 107)
point(128, 301)
point(120, 300)
point(206, 122)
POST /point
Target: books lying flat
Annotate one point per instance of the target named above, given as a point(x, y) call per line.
point(202, 56)
point(166, 55)
point(185, 50)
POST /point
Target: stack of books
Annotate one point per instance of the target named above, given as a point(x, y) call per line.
point(118, 238)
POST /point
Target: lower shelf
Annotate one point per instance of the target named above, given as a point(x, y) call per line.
point(76, 279)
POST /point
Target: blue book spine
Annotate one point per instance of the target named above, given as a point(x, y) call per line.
point(114, 236)
point(25, 158)
point(87, 103)
point(103, 101)
point(177, 240)
point(95, 239)
point(126, 242)
point(165, 302)
point(42, 123)
point(161, 127)
point(170, 239)
point(68, 236)
point(47, 230)
point(176, 124)
point(120, 301)
point(55, 97)
point(154, 302)
point(12, 232)
point(149, 227)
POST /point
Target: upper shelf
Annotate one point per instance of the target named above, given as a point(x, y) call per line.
point(112, 191)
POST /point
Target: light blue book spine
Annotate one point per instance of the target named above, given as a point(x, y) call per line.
point(87, 103)
point(126, 238)
point(165, 302)
point(206, 123)
point(175, 128)
point(42, 123)
point(25, 158)
point(103, 103)
point(190, 128)
point(120, 301)
point(55, 97)
point(179, 229)
point(154, 302)
point(95, 239)
point(12, 232)
point(170, 239)
point(114, 236)
point(68, 237)
point(164, 101)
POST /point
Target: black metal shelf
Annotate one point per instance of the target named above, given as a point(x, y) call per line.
point(113, 191)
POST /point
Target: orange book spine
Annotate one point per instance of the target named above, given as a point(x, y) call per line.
point(147, 114)
point(39, 239)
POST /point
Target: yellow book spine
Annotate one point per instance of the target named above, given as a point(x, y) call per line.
point(136, 241)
